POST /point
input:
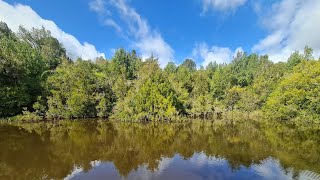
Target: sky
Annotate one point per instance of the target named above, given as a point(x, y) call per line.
point(173, 30)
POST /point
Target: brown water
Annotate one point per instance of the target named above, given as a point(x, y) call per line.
point(193, 150)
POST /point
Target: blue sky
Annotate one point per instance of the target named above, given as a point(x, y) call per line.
point(172, 30)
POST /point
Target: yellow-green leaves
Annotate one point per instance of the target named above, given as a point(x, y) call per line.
point(297, 94)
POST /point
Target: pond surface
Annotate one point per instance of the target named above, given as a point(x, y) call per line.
point(90, 149)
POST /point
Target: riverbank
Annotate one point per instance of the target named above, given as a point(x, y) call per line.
point(222, 115)
point(231, 118)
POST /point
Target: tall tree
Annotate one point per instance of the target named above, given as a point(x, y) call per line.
point(50, 48)
point(152, 98)
point(21, 67)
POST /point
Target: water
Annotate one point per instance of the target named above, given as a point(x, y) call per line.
point(193, 150)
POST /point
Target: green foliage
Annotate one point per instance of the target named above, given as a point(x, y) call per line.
point(189, 64)
point(297, 95)
point(233, 96)
point(200, 100)
point(79, 90)
point(40, 106)
point(153, 97)
point(294, 60)
point(308, 51)
point(122, 69)
point(21, 67)
point(266, 80)
point(243, 69)
point(36, 74)
point(184, 74)
point(28, 116)
point(170, 68)
point(5, 30)
point(220, 82)
point(211, 69)
point(49, 48)
point(249, 101)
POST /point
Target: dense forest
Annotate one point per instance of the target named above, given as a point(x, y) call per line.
point(39, 81)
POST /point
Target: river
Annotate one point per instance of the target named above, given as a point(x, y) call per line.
point(96, 149)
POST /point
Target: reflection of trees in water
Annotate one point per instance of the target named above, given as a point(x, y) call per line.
point(54, 149)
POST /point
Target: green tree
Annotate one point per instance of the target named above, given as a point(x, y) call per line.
point(211, 69)
point(170, 68)
point(267, 78)
point(297, 95)
point(79, 90)
point(51, 50)
point(21, 67)
point(308, 51)
point(220, 82)
point(233, 96)
point(189, 64)
point(200, 99)
point(123, 69)
point(249, 101)
point(152, 98)
point(5, 30)
point(294, 60)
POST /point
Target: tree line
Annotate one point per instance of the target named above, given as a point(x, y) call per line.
point(38, 81)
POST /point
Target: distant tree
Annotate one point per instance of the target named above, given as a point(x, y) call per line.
point(5, 30)
point(189, 64)
point(294, 60)
point(308, 53)
point(170, 68)
point(211, 68)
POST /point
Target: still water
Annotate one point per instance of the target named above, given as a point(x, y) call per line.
point(96, 149)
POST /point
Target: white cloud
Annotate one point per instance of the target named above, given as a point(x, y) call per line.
point(16, 15)
point(221, 5)
point(156, 46)
point(201, 159)
point(76, 170)
point(164, 164)
point(292, 24)
point(147, 41)
point(112, 23)
point(98, 6)
point(271, 169)
point(214, 53)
